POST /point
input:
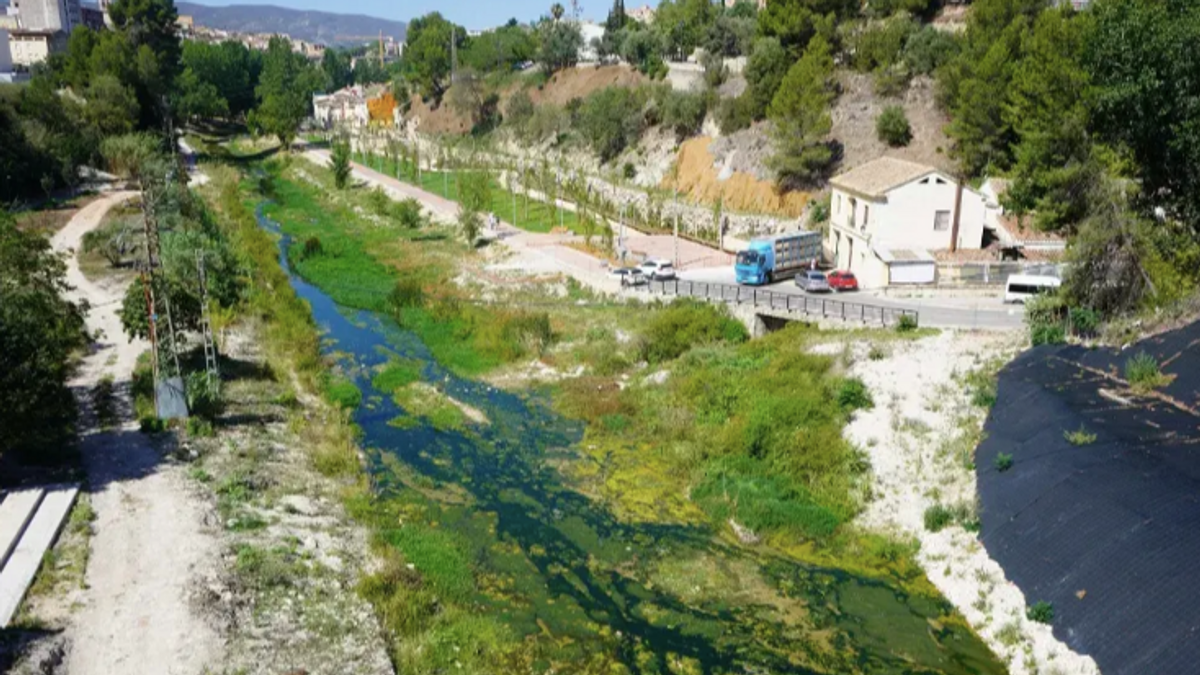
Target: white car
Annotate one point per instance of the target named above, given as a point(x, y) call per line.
point(657, 270)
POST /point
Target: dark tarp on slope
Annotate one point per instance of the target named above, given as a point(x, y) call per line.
point(1118, 520)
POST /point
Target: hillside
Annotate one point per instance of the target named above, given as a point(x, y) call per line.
point(324, 27)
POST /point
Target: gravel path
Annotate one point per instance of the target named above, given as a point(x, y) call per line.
point(149, 541)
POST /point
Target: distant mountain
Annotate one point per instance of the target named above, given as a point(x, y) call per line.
point(324, 27)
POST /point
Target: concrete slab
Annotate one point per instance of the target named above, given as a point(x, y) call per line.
point(23, 563)
point(16, 511)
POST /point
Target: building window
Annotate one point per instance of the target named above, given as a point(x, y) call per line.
point(866, 215)
point(941, 221)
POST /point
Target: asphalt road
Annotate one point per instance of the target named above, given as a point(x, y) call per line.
point(985, 313)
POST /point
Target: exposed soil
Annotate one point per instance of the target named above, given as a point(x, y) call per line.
point(706, 179)
point(858, 107)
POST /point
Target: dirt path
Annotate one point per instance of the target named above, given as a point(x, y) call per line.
point(150, 541)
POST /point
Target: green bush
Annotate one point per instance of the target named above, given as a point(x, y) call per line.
point(982, 388)
point(928, 49)
point(408, 213)
point(1045, 316)
point(907, 324)
point(892, 126)
point(686, 324)
point(937, 517)
point(1084, 321)
point(1080, 436)
point(379, 202)
point(629, 171)
point(151, 424)
point(611, 119)
point(1143, 374)
point(1003, 462)
point(1047, 334)
point(735, 114)
point(1041, 611)
point(853, 395)
point(683, 112)
point(312, 248)
point(519, 110)
point(204, 396)
point(880, 44)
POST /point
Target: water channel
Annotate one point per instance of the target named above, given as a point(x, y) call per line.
point(549, 561)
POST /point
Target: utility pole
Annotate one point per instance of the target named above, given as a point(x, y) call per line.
point(675, 238)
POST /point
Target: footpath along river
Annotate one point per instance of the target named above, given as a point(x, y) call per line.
point(554, 566)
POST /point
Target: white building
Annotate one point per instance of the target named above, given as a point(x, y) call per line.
point(30, 47)
point(343, 107)
point(48, 15)
point(887, 215)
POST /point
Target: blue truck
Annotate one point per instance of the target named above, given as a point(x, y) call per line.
point(769, 259)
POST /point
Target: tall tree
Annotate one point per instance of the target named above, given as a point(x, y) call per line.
point(799, 114)
point(427, 53)
point(336, 65)
point(561, 42)
point(795, 22)
point(284, 91)
point(616, 17)
point(39, 331)
point(149, 28)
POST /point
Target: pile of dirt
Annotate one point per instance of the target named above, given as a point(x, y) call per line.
point(705, 179)
point(858, 107)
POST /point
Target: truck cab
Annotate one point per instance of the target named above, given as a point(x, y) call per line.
point(754, 265)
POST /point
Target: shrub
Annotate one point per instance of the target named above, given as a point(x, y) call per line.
point(683, 112)
point(937, 517)
point(982, 388)
point(928, 49)
point(1041, 612)
point(853, 395)
point(907, 324)
point(408, 213)
point(519, 110)
point(611, 119)
point(1003, 462)
point(715, 72)
point(204, 395)
point(1084, 321)
point(1047, 334)
point(379, 202)
point(880, 45)
point(685, 324)
point(1143, 374)
point(312, 248)
point(892, 126)
point(735, 114)
point(339, 159)
point(1081, 436)
point(151, 424)
point(406, 293)
point(629, 171)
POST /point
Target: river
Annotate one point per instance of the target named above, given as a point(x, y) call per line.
point(553, 565)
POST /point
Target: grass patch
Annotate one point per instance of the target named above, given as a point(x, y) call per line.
point(938, 517)
point(396, 374)
point(1143, 374)
point(342, 393)
point(1080, 436)
point(1003, 462)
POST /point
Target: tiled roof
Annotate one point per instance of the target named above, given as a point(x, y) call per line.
point(877, 177)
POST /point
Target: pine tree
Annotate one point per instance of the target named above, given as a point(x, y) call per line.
point(800, 116)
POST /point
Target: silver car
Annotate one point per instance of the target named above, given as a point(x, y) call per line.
point(629, 276)
point(812, 281)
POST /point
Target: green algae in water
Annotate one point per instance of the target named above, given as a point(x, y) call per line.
point(534, 575)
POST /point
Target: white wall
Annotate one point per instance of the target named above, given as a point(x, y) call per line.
point(911, 210)
point(29, 52)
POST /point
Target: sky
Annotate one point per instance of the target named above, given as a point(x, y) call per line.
point(474, 14)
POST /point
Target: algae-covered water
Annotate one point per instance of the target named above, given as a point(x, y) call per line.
point(483, 514)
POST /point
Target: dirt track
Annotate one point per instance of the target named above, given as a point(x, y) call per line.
point(149, 542)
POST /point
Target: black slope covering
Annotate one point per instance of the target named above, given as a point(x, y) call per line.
point(1109, 532)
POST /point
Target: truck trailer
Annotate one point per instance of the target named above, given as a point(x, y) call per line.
point(769, 259)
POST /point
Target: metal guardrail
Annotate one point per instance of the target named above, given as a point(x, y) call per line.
point(783, 302)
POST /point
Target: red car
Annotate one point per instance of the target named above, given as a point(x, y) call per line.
point(842, 280)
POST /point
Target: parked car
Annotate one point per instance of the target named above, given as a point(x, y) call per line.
point(657, 270)
point(628, 276)
point(842, 280)
point(813, 281)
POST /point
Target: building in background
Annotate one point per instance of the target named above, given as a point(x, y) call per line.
point(643, 14)
point(93, 17)
point(49, 15)
point(30, 47)
point(6, 63)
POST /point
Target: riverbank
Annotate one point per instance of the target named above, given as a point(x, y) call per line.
point(646, 486)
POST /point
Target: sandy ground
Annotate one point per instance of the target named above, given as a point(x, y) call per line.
point(149, 539)
point(920, 437)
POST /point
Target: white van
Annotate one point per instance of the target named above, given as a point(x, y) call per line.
point(1021, 287)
